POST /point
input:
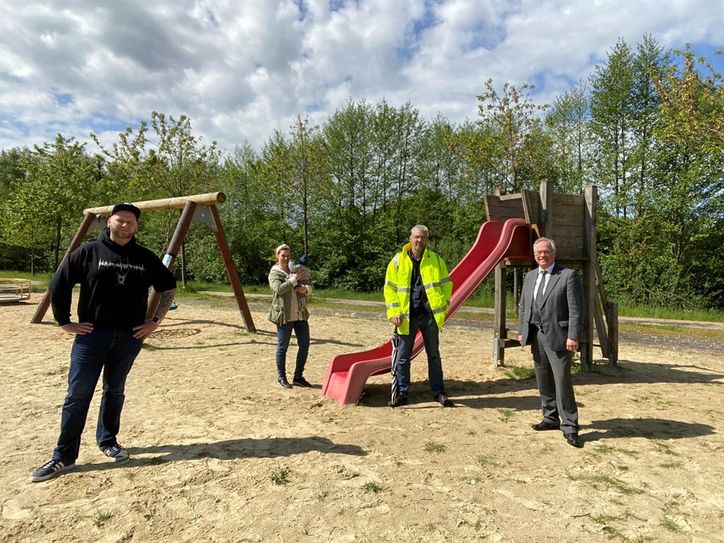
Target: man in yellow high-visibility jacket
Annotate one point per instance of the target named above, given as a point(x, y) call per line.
point(417, 295)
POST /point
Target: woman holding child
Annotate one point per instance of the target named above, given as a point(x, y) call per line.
point(289, 312)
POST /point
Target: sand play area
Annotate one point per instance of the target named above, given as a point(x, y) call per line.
point(221, 453)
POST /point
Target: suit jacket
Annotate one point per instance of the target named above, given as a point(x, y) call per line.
point(561, 308)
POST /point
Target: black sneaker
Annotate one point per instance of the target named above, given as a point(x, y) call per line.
point(301, 382)
point(116, 453)
point(443, 400)
point(50, 470)
point(398, 401)
point(282, 380)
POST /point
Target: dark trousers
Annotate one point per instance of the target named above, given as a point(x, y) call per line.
point(403, 353)
point(553, 375)
point(284, 335)
point(113, 353)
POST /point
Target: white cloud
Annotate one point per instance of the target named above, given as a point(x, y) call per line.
point(241, 70)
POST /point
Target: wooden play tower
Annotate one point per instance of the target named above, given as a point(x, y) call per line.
point(196, 208)
point(570, 220)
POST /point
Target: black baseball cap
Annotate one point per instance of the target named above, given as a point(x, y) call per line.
point(127, 207)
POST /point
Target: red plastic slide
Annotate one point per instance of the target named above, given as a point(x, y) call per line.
point(348, 373)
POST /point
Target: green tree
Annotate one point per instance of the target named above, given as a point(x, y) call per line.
point(649, 64)
point(61, 181)
point(164, 161)
point(611, 121)
point(513, 118)
point(566, 123)
point(688, 201)
point(13, 163)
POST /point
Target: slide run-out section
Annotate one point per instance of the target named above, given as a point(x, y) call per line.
point(348, 373)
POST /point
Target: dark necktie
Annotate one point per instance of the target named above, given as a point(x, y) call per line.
point(541, 284)
point(535, 316)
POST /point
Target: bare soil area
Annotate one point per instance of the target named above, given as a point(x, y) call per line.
point(221, 453)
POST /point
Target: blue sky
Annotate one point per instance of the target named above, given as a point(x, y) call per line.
point(242, 69)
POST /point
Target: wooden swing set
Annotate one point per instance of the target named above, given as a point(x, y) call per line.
point(196, 208)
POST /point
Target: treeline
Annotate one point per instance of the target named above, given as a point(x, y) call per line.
point(646, 127)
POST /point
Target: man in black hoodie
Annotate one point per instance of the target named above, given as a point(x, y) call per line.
point(114, 274)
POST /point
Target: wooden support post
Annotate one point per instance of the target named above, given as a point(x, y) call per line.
point(598, 314)
point(612, 317)
point(500, 334)
point(546, 199)
point(589, 277)
point(85, 225)
point(231, 272)
point(173, 249)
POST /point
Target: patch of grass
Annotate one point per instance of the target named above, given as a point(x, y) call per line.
point(664, 448)
point(606, 449)
point(671, 465)
point(431, 446)
point(101, 517)
point(605, 481)
point(156, 460)
point(671, 509)
point(485, 461)
point(670, 330)
point(42, 279)
point(519, 374)
point(606, 522)
point(670, 525)
point(505, 414)
point(371, 486)
point(321, 495)
point(281, 476)
point(710, 315)
point(546, 448)
point(664, 405)
point(577, 368)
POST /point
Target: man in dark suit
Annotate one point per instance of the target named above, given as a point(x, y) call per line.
point(550, 320)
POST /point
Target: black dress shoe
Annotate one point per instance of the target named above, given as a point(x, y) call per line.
point(443, 400)
point(282, 380)
point(399, 401)
point(301, 382)
point(544, 425)
point(574, 441)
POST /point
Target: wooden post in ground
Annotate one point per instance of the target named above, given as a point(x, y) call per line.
point(546, 201)
point(589, 277)
point(173, 249)
point(612, 318)
point(231, 272)
point(499, 330)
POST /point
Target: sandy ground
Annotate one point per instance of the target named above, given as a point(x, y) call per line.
point(221, 453)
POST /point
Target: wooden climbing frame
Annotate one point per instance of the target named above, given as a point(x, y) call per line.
point(570, 220)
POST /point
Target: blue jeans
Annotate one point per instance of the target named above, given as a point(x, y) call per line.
point(284, 335)
point(112, 351)
point(401, 363)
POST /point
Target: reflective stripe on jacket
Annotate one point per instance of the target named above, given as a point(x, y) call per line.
point(435, 279)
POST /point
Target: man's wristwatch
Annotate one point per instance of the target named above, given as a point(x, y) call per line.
point(155, 319)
